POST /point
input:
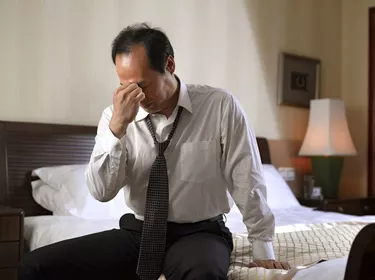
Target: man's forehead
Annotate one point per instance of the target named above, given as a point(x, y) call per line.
point(131, 61)
point(123, 60)
point(130, 69)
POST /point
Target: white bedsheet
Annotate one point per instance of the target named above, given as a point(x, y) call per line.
point(329, 270)
point(44, 230)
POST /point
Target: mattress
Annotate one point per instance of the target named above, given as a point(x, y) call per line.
point(44, 230)
point(303, 237)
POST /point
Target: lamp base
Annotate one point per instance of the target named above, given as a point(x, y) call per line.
point(327, 173)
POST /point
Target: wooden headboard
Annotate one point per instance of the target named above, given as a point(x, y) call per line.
point(27, 146)
point(264, 150)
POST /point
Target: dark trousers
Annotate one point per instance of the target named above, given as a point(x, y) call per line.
point(194, 251)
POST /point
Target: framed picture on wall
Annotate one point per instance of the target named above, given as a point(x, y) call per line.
point(298, 80)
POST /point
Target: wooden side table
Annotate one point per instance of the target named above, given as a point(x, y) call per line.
point(11, 241)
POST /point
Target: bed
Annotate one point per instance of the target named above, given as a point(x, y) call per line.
point(304, 237)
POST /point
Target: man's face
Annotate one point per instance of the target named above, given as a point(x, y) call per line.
point(134, 68)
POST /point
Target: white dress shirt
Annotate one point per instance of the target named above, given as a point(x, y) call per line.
point(212, 150)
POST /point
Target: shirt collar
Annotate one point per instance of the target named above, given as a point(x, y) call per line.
point(183, 101)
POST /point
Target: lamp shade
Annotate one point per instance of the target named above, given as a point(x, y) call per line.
point(327, 133)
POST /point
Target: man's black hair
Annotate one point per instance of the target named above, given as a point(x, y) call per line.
point(155, 42)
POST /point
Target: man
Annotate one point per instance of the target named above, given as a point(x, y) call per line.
point(175, 149)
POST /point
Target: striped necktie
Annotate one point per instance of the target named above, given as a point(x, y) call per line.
point(154, 232)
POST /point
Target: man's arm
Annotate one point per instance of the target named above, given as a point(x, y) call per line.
point(242, 169)
point(106, 171)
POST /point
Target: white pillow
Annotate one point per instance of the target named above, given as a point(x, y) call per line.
point(63, 191)
point(48, 198)
point(57, 176)
point(279, 194)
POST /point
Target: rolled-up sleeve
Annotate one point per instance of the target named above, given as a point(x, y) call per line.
point(106, 172)
point(242, 168)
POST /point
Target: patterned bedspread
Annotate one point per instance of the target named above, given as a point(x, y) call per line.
point(301, 246)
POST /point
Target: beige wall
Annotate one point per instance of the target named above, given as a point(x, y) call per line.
point(55, 59)
point(355, 91)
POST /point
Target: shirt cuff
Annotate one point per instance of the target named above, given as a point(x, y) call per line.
point(263, 250)
point(112, 145)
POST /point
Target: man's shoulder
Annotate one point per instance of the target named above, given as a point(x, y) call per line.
point(207, 89)
point(214, 93)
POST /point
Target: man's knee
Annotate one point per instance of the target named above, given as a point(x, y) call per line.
point(203, 269)
point(198, 257)
point(29, 267)
point(37, 264)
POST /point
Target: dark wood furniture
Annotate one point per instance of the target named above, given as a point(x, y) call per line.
point(11, 241)
point(353, 206)
point(371, 105)
point(361, 257)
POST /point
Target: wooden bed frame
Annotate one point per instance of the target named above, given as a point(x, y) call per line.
point(26, 146)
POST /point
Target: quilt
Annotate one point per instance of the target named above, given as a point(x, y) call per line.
point(301, 245)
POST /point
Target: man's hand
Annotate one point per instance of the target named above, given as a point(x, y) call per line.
point(270, 264)
point(125, 107)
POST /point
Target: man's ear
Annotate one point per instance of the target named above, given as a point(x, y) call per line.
point(170, 66)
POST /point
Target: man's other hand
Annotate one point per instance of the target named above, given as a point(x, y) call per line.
point(270, 264)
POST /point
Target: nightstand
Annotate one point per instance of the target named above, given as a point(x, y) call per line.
point(351, 206)
point(11, 241)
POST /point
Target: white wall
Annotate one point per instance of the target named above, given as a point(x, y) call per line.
point(55, 63)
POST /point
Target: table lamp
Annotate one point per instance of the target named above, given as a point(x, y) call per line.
point(327, 142)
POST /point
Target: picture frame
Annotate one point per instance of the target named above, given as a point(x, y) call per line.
point(299, 80)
